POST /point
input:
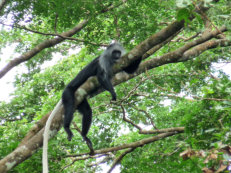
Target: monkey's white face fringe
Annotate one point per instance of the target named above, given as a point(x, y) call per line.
point(104, 59)
point(46, 136)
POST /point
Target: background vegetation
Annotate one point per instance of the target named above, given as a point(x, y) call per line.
point(193, 95)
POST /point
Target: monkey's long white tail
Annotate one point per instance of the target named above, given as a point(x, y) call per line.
point(46, 136)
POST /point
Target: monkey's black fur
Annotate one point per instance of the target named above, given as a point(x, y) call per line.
point(102, 68)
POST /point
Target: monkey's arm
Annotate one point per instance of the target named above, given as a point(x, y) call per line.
point(105, 80)
point(84, 74)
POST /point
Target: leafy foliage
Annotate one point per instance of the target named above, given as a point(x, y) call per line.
point(193, 94)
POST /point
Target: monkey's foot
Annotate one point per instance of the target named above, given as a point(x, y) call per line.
point(89, 144)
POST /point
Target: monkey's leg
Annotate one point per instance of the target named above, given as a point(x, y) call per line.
point(89, 144)
point(85, 109)
point(68, 100)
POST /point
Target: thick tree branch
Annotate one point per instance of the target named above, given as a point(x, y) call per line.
point(46, 44)
point(150, 42)
point(157, 47)
point(26, 149)
point(159, 131)
point(2, 4)
point(35, 129)
point(184, 53)
point(190, 54)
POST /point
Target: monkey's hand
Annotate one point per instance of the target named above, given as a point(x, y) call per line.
point(113, 99)
point(114, 96)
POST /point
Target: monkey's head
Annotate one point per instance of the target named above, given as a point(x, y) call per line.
point(116, 51)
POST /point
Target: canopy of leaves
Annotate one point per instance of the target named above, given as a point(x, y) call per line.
point(195, 94)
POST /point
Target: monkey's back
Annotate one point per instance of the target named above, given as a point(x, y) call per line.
point(84, 74)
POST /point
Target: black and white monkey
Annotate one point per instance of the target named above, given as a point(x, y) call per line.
point(102, 68)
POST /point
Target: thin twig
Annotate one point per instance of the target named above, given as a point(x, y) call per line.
point(133, 89)
point(107, 157)
point(206, 17)
point(55, 35)
point(82, 158)
point(129, 121)
point(146, 113)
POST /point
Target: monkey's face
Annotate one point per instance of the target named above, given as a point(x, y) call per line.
point(116, 54)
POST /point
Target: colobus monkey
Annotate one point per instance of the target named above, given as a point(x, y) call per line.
point(102, 68)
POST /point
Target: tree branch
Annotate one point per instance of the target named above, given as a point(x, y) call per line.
point(28, 148)
point(190, 54)
point(136, 144)
point(52, 42)
point(129, 121)
point(46, 44)
point(55, 35)
point(118, 159)
point(2, 4)
point(83, 158)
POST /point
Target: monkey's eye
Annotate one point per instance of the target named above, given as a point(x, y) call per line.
point(116, 54)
